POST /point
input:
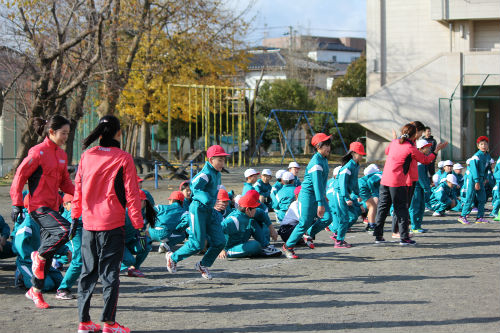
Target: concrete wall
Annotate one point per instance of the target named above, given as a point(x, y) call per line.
point(464, 9)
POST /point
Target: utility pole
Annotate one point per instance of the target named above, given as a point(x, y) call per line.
point(290, 40)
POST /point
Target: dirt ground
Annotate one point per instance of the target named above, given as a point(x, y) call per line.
point(449, 282)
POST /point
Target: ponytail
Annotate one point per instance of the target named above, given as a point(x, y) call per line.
point(55, 122)
point(150, 213)
point(106, 130)
point(347, 157)
point(407, 132)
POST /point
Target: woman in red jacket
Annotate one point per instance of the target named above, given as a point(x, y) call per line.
point(106, 184)
point(46, 171)
point(393, 189)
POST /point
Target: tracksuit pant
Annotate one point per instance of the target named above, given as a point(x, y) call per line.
point(134, 254)
point(54, 233)
point(249, 248)
point(410, 190)
point(417, 208)
point(398, 197)
point(102, 252)
point(472, 194)
point(52, 279)
point(161, 234)
point(307, 221)
point(75, 266)
point(203, 226)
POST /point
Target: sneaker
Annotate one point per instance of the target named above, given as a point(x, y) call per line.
point(482, 220)
point(334, 236)
point(88, 327)
point(474, 210)
point(437, 214)
point(365, 220)
point(57, 264)
point(163, 248)
point(271, 251)
point(417, 231)
point(289, 252)
point(18, 280)
point(463, 220)
point(64, 294)
point(115, 328)
point(396, 235)
point(171, 265)
point(37, 298)
point(308, 240)
point(37, 266)
point(496, 219)
point(370, 228)
point(342, 245)
point(205, 273)
point(379, 240)
point(407, 242)
point(134, 272)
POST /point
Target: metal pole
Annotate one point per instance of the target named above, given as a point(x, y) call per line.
point(169, 96)
point(215, 114)
point(240, 157)
point(156, 174)
point(191, 175)
point(261, 136)
point(232, 120)
point(203, 117)
point(338, 131)
point(220, 115)
point(189, 112)
point(196, 114)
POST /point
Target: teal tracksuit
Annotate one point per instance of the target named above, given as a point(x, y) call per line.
point(274, 190)
point(420, 195)
point(238, 228)
point(331, 195)
point(27, 240)
point(247, 187)
point(312, 195)
point(478, 166)
point(262, 223)
point(186, 204)
point(264, 189)
point(346, 183)
point(168, 217)
point(203, 223)
point(441, 197)
point(7, 248)
point(495, 201)
point(133, 247)
point(284, 198)
point(369, 186)
point(488, 186)
point(297, 181)
point(75, 267)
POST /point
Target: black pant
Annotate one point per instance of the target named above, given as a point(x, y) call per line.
point(54, 232)
point(102, 253)
point(286, 230)
point(410, 191)
point(399, 197)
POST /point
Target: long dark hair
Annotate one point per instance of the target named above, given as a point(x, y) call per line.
point(55, 122)
point(407, 132)
point(106, 130)
point(418, 125)
point(346, 158)
point(150, 213)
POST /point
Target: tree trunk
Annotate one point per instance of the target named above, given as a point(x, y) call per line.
point(145, 143)
point(308, 137)
point(133, 150)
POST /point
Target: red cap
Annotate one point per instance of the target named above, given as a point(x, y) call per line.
point(176, 195)
point(248, 201)
point(139, 179)
point(26, 201)
point(297, 190)
point(482, 138)
point(142, 195)
point(184, 182)
point(320, 137)
point(216, 150)
point(357, 147)
point(67, 198)
point(254, 194)
point(222, 195)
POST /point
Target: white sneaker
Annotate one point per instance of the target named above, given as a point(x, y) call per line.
point(163, 248)
point(203, 270)
point(171, 265)
point(270, 250)
point(437, 214)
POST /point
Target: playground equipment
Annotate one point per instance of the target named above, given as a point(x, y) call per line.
point(302, 114)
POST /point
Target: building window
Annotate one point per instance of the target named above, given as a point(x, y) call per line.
point(334, 58)
point(354, 59)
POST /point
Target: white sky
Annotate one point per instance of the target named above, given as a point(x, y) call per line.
point(333, 18)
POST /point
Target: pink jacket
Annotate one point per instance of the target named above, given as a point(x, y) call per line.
point(46, 171)
point(399, 160)
point(106, 184)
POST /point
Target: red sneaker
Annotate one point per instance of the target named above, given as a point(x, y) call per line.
point(134, 272)
point(37, 298)
point(89, 327)
point(289, 252)
point(37, 266)
point(342, 245)
point(308, 240)
point(115, 328)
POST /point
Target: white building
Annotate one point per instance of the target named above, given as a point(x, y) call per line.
point(335, 53)
point(437, 61)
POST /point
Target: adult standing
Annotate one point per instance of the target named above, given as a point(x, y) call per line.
point(393, 189)
point(106, 184)
point(430, 139)
point(46, 171)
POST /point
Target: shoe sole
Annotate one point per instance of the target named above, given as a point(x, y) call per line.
point(170, 269)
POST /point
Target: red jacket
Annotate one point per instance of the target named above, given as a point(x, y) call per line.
point(46, 170)
point(399, 160)
point(106, 184)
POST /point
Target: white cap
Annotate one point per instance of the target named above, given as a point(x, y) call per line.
point(267, 172)
point(492, 161)
point(372, 168)
point(447, 163)
point(222, 187)
point(440, 164)
point(279, 173)
point(452, 179)
point(435, 178)
point(457, 166)
point(422, 143)
point(237, 199)
point(250, 172)
point(336, 171)
point(287, 176)
point(293, 165)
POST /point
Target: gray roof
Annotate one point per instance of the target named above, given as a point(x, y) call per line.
point(259, 60)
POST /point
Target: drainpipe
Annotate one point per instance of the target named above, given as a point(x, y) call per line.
point(451, 36)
